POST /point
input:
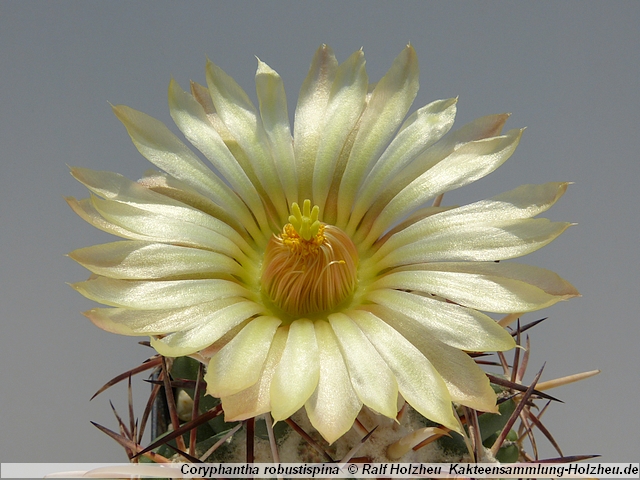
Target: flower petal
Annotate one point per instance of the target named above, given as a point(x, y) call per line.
point(344, 106)
point(256, 399)
point(126, 321)
point(465, 380)
point(387, 107)
point(467, 164)
point(239, 363)
point(162, 148)
point(491, 287)
point(146, 295)
point(477, 242)
point(116, 188)
point(203, 96)
point(84, 209)
point(296, 376)
point(422, 129)
point(193, 122)
point(312, 103)
point(275, 119)
point(523, 202)
point(333, 406)
point(137, 260)
point(415, 217)
point(481, 128)
point(371, 378)
point(240, 117)
point(178, 190)
point(457, 326)
point(186, 342)
point(165, 229)
point(418, 381)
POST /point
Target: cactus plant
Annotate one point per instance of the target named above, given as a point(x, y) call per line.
point(305, 281)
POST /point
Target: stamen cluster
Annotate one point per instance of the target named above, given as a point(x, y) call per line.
point(311, 269)
point(298, 245)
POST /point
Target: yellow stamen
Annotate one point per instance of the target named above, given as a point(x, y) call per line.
point(310, 268)
point(299, 245)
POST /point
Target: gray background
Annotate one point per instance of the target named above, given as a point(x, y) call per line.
point(567, 70)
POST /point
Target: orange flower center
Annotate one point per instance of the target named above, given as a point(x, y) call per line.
point(310, 268)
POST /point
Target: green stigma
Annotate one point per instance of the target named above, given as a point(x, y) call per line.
point(305, 222)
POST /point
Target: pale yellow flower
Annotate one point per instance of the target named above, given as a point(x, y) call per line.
point(308, 266)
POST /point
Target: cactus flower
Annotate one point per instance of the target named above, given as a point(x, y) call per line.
point(308, 266)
